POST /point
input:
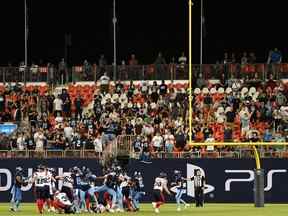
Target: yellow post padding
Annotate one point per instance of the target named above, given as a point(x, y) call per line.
point(257, 158)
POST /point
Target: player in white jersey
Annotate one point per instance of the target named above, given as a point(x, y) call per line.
point(67, 187)
point(63, 204)
point(39, 178)
point(49, 186)
point(160, 185)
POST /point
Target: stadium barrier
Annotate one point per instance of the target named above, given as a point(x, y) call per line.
point(144, 72)
point(91, 154)
point(52, 154)
point(228, 180)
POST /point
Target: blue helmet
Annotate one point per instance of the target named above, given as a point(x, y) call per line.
point(163, 175)
point(177, 172)
point(19, 169)
point(92, 178)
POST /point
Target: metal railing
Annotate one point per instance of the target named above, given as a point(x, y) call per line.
point(201, 150)
point(236, 154)
point(143, 72)
point(104, 156)
point(4, 154)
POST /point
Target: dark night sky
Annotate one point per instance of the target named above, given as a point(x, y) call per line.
point(144, 28)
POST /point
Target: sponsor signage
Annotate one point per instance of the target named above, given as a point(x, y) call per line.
point(227, 180)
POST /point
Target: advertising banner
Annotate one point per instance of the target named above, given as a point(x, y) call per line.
point(227, 180)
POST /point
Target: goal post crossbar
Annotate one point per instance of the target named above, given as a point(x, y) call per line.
point(243, 144)
point(239, 144)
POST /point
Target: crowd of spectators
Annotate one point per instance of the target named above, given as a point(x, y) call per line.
point(155, 114)
point(274, 56)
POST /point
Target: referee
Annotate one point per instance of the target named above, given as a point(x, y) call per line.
point(199, 185)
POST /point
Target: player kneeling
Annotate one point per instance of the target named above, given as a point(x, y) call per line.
point(62, 204)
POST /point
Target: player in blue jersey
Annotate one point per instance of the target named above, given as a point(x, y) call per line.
point(179, 188)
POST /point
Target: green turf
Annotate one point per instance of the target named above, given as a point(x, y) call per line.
point(170, 210)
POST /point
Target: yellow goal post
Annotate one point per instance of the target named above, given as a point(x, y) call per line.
point(243, 144)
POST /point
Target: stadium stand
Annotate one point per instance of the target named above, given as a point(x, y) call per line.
point(148, 118)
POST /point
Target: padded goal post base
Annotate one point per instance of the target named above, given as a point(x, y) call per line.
point(259, 188)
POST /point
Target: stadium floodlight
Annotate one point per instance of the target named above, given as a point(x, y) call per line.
point(114, 20)
point(26, 38)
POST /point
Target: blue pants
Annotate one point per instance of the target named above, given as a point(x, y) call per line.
point(16, 194)
point(80, 198)
point(136, 196)
point(16, 197)
point(119, 197)
point(104, 188)
point(178, 196)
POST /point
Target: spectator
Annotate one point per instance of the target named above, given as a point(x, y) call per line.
point(133, 61)
point(21, 142)
point(233, 58)
point(58, 106)
point(274, 57)
point(163, 88)
point(2, 103)
point(34, 69)
point(245, 121)
point(123, 71)
point(244, 59)
point(87, 69)
point(180, 139)
point(144, 88)
point(145, 155)
point(39, 139)
point(102, 64)
point(22, 68)
point(210, 139)
point(51, 74)
point(160, 63)
point(200, 82)
point(131, 90)
point(226, 59)
point(137, 145)
point(62, 67)
point(104, 83)
point(169, 141)
point(252, 58)
point(29, 142)
point(157, 142)
point(119, 87)
point(182, 60)
point(68, 131)
point(267, 136)
point(78, 105)
point(67, 107)
point(98, 144)
point(253, 136)
point(17, 116)
point(59, 141)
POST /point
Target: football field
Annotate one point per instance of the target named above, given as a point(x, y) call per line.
point(170, 210)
